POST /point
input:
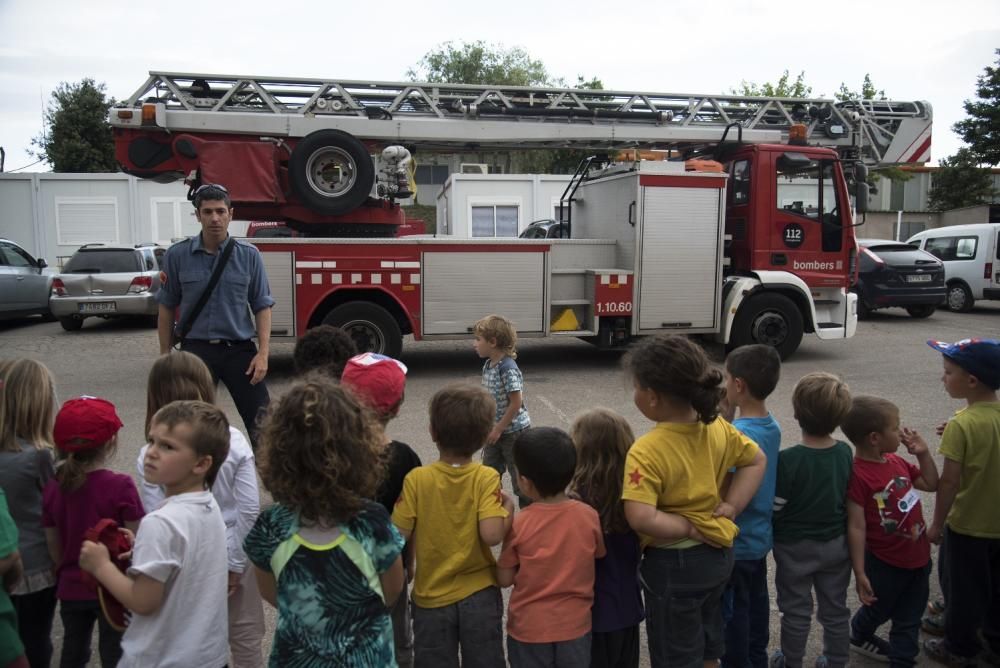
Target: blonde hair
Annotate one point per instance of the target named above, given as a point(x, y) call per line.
point(602, 439)
point(498, 328)
point(179, 376)
point(821, 401)
point(29, 404)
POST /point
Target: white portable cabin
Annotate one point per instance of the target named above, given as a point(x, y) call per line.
point(483, 206)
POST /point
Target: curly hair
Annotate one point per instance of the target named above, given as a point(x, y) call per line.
point(602, 439)
point(498, 328)
point(675, 367)
point(324, 348)
point(320, 451)
point(821, 401)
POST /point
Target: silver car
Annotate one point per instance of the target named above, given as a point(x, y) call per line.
point(107, 282)
point(24, 284)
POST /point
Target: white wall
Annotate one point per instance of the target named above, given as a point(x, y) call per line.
point(534, 195)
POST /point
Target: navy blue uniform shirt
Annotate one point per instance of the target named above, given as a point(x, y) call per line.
point(188, 266)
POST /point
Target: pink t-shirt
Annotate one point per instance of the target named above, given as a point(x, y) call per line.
point(104, 495)
point(554, 545)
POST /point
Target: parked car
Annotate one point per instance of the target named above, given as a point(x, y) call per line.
point(971, 256)
point(547, 228)
point(24, 284)
point(107, 282)
point(892, 273)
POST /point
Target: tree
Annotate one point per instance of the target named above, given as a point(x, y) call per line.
point(79, 136)
point(479, 63)
point(960, 182)
point(981, 130)
point(867, 92)
point(783, 88)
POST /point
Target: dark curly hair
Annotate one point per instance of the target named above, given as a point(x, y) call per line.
point(676, 367)
point(320, 451)
point(324, 348)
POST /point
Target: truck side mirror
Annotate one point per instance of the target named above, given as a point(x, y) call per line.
point(861, 196)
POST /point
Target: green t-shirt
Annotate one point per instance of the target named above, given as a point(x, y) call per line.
point(10, 643)
point(810, 498)
point(972, 438)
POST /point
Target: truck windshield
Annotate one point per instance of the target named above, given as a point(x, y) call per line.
point(805, 188)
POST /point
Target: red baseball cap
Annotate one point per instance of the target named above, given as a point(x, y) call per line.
point(376, 379)
point(85, 423)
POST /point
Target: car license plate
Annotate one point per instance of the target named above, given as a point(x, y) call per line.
point(918, 278)
point(98, 307)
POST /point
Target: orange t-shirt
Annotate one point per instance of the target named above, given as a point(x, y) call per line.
point(554, 545)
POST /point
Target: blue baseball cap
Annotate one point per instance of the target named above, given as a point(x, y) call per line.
point(979, 357)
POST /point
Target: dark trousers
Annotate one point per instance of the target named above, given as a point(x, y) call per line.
point(748, 625)
point(35, 612)
point(973, 595)
point(901, 597)
point(471, 627)
point(683, 593)
point(78, 619)
point(615, 649)
point(228, 363)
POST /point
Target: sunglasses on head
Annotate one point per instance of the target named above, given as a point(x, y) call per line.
point(215, 186)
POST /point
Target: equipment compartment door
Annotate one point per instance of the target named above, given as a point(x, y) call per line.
point(281, 278)
point(680, 266)
point(460, 288)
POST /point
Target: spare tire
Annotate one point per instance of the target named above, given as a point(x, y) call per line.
point(331, 172)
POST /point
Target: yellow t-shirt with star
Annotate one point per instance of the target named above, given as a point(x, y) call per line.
point(442, 505)
point(679, 467)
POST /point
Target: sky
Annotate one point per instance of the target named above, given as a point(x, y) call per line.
point(914, 50)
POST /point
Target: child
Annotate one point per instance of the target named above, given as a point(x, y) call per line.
point(454, 511)
point(968, 496)
point(886, 535)
point(82, 494)
point(549, 558)
point(495, 338)
point(602, 439)
point(326, 557)
point(325, 349)
point(379, 381)
point(810, 525)
point(25, 468)
point(176, 586)
point(752, 373)
point(672, 499)
point(183, 376)
point(11, 648)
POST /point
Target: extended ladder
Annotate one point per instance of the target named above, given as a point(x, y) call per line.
point(458, 116)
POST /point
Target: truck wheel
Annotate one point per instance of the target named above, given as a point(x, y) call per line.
point(959, 298)
point(922, 311)
point(331, 172)
point(864, 311)
point(71, 324)
point(371, 326)
point(770, 319)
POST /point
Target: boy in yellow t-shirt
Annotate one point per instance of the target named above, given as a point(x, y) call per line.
point(454, 511)
point(967, 499)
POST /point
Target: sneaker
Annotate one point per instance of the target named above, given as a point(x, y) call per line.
point(933, 624)
point(935, 650)
point(874, 648)
point(777, 660)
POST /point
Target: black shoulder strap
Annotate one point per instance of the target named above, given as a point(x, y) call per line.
point(185, 328)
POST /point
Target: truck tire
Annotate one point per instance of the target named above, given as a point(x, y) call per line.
point(768, 318)
point(371, 326)
point(331, 172)
point(959, 298)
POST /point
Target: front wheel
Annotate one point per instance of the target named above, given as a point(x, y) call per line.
point(371, 326)
point(770, 319)
point(922, 311)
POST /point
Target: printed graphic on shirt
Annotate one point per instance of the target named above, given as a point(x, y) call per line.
point(634, 477)
point(899, 509)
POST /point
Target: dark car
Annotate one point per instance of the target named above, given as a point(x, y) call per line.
point(546, 228)
point(892, 273)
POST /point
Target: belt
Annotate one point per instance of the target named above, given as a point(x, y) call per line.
point(218, 342)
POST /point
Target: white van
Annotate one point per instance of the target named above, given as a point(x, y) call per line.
point(971, 257)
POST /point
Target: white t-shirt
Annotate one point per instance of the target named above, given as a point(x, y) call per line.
point(235, 490)
point(182, 544)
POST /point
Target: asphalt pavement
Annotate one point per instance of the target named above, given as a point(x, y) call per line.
point(888, 358)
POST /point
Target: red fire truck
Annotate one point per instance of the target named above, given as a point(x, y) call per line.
point(760, 250)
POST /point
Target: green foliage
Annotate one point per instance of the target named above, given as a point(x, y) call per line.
point(783, 88)
point(960, 182)
point(981, 130)
point(79, 136)
point(867, 92)
point(479, 63)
